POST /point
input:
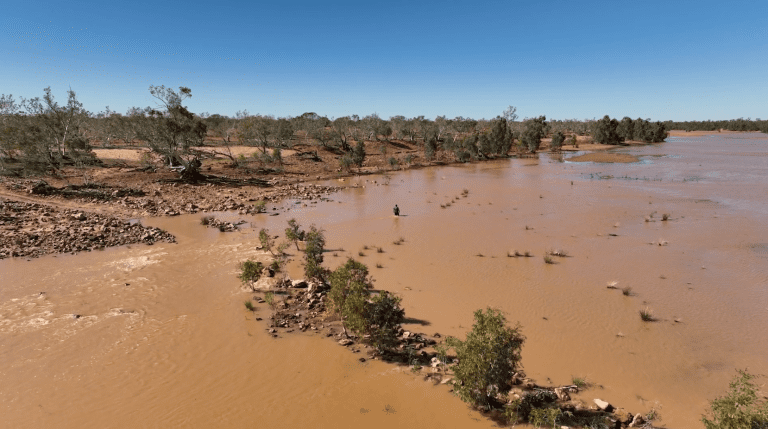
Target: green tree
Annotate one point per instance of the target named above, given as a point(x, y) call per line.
point(740, 408)
point(313, 253)
point(350, 287)
point(294, 233)
point(501, 136)
point(605, 131)
point(534, 130)
point(626, 128)
point(48, 134)
point(488, 358)
point(383, 315)
point(266, 240)
point(557, 141)
point(172, 129)
point(358, 153)
point(430, 148)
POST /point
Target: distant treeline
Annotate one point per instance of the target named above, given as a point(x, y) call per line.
point(740, 124)
point(41, 134)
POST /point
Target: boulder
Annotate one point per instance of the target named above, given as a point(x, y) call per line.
point(605, 406)
point(562, 394)
point(345, 342)
point(299, 284)
point(637, 421)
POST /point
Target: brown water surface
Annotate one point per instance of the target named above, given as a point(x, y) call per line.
point(162, 338)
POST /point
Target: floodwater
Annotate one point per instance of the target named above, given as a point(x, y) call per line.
point(163, 339)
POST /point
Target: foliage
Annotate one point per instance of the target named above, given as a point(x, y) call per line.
point(249, 305)
point(487, 358)
point(535, 130)
point(250, 271)
point(383, 315)
point(269, 297)
point(171, 129)
point(313, 253)
point(260, 206)
point(345, 162)
point(393, 162)
point(740, 408)
point(557, 141)
point(430, 148)
point(294, 233)
point(545, 416)
point(350, 286)
point(266, 240)
point(45, 134)
point(605, 131)
point(358, 153)
point(521, 409)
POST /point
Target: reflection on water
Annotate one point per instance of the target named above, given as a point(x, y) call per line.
point(157, 336)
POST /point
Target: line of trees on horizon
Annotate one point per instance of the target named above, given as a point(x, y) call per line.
point(45, 135)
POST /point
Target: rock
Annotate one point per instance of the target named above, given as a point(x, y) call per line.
point(79, 216)
point(446, 380)
point(406, 335)
point(562, 394)
point(299, 284)
point(605, 406)
point(345, 342)
point(637, 421)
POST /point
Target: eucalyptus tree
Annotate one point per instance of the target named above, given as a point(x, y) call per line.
point(625, 129)
point(48, 134)
point(605, 131)
point(534, 130)
point(342, 131)
point(171, 128)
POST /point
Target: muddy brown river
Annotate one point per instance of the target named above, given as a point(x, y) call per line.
point(163, 340)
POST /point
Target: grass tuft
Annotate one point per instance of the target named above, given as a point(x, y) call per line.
point(579, 382)
point(379, 250)
point(548, 260)
point(249, 305)
point(206, 220)
point(627, 291)
point(646, 315)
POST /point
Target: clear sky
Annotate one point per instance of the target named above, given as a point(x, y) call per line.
point(679, 60)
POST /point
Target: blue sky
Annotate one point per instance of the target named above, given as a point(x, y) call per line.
point(679, 60)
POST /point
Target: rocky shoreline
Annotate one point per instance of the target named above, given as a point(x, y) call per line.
point(31, 230)
point(302, 308)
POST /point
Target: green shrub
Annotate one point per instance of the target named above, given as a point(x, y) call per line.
point(250, 271)
point(739, 408)
point(206, 220)
point(269, 297)
point(544, 417)
point(249, 305)
point(350, 286)
point(383, 315)
point(266, 240)
point(294, 233)
point(261, 206)
point(313, 253)
point(487, 358)
point(393, 162)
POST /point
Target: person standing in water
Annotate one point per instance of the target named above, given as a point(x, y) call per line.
point(396, 210)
